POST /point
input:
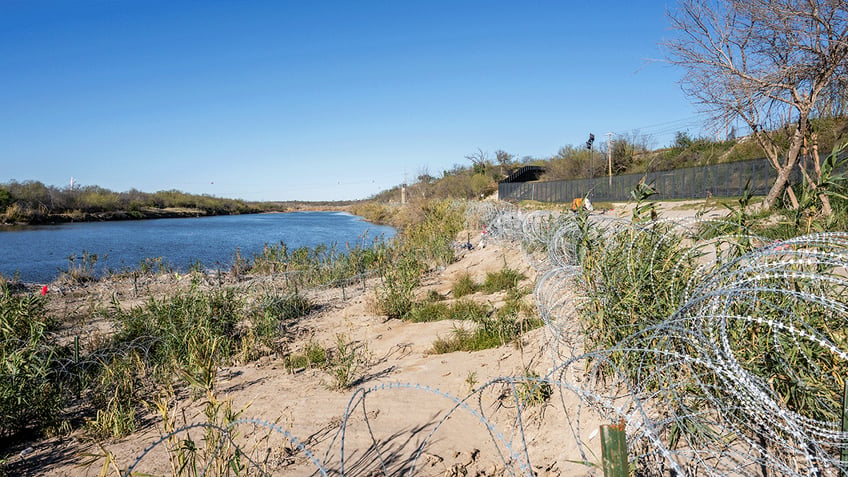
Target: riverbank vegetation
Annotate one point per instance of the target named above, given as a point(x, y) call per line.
point(725, 339)
point(31, 202)
point(667, 304)
point(164, 336)
point(165, 333)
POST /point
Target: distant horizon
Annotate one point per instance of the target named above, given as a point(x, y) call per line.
point(319, 102)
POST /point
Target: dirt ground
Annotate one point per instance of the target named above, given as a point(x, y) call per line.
point(404, 411)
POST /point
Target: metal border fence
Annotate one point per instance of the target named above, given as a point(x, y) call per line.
point(721, 180)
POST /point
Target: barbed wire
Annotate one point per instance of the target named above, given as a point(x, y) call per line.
point(744, 376)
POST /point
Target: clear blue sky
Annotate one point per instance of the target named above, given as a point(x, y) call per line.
point(318, 100)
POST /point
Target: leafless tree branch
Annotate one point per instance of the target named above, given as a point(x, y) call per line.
point(769, 63)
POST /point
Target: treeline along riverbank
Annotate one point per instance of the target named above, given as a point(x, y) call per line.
point(34, 203)
point(140, 214)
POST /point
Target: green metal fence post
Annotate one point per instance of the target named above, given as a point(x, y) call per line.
point(843, 457)
point(614, 450)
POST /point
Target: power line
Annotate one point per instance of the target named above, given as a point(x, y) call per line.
point(666, 127)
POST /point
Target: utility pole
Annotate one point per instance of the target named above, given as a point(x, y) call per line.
point(403, 189)
point(591, 158)
point(609, 158)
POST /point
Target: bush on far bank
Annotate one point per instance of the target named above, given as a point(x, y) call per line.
point(34, 202)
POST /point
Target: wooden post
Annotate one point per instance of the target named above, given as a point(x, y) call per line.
point(614, 450)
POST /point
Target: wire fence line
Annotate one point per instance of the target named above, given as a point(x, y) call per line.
point(700, 406)
point(730, 417)
point(720, 180)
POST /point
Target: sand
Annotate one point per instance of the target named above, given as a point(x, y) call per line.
point(404, 410)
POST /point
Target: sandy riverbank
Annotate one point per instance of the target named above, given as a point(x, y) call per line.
point(405, 408)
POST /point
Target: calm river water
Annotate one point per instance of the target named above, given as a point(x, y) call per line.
point(38, 254)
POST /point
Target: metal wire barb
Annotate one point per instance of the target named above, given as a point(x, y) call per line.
point(742, 375)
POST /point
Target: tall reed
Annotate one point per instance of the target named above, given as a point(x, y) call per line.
point(31, 393)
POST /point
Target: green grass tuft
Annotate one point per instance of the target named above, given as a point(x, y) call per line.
point(505, 279)
point(463, 285)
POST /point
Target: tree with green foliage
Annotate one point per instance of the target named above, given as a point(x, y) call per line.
point(5, 199)
point(682, 140)
point(568, 163)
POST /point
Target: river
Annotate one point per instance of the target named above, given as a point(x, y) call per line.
point(38, 254)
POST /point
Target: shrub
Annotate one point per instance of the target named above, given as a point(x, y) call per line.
point(31, 394)
point(459, 310)
point(426, 312)
point(345, 362)
point(190, 334)
point(635, 280)
point(400, 277)
point(275, 310)
point(505, 279)
point(431, 238)
point(532, 390)
point(373, 211)
point(460, 340)
point(491, 331)
point(15, 213)
point(423, 245)
point(463, 285)
point(515, 305)
point(468, 310)
point(434, 296)
point(181, 325)
point(80, 268)
point(313, 354)
point(117, 396)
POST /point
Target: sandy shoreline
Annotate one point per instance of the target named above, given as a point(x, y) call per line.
point(405, 410)
point(406, 383)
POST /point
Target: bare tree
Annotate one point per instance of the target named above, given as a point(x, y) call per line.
point(480, 161)
point(504, 161)
point(769, 63)
point(424, 175)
